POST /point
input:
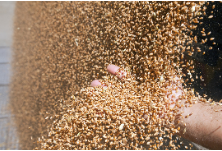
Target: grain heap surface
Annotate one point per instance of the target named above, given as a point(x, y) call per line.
point(118, 117)
point(60, 47)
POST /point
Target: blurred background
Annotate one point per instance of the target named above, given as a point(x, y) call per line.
point(8, 137)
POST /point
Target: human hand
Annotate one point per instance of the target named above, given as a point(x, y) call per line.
point(173, 91)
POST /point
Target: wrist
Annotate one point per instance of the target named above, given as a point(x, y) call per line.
point(186, 117)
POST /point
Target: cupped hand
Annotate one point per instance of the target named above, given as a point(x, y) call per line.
point(173, 91)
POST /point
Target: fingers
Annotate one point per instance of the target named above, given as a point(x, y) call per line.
point(95, 83)
point(174, 91)
point(113, 70)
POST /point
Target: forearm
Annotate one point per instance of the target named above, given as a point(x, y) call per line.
point(204, 126)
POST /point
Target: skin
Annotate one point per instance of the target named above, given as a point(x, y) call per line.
point(203, 127)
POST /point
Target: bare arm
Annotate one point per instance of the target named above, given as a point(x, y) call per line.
point(204, 126)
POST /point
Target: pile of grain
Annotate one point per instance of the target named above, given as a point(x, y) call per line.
point(122, 116)
point(60, 47)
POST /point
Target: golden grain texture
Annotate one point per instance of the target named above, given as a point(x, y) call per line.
point(117, 117)
point(60, 47)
